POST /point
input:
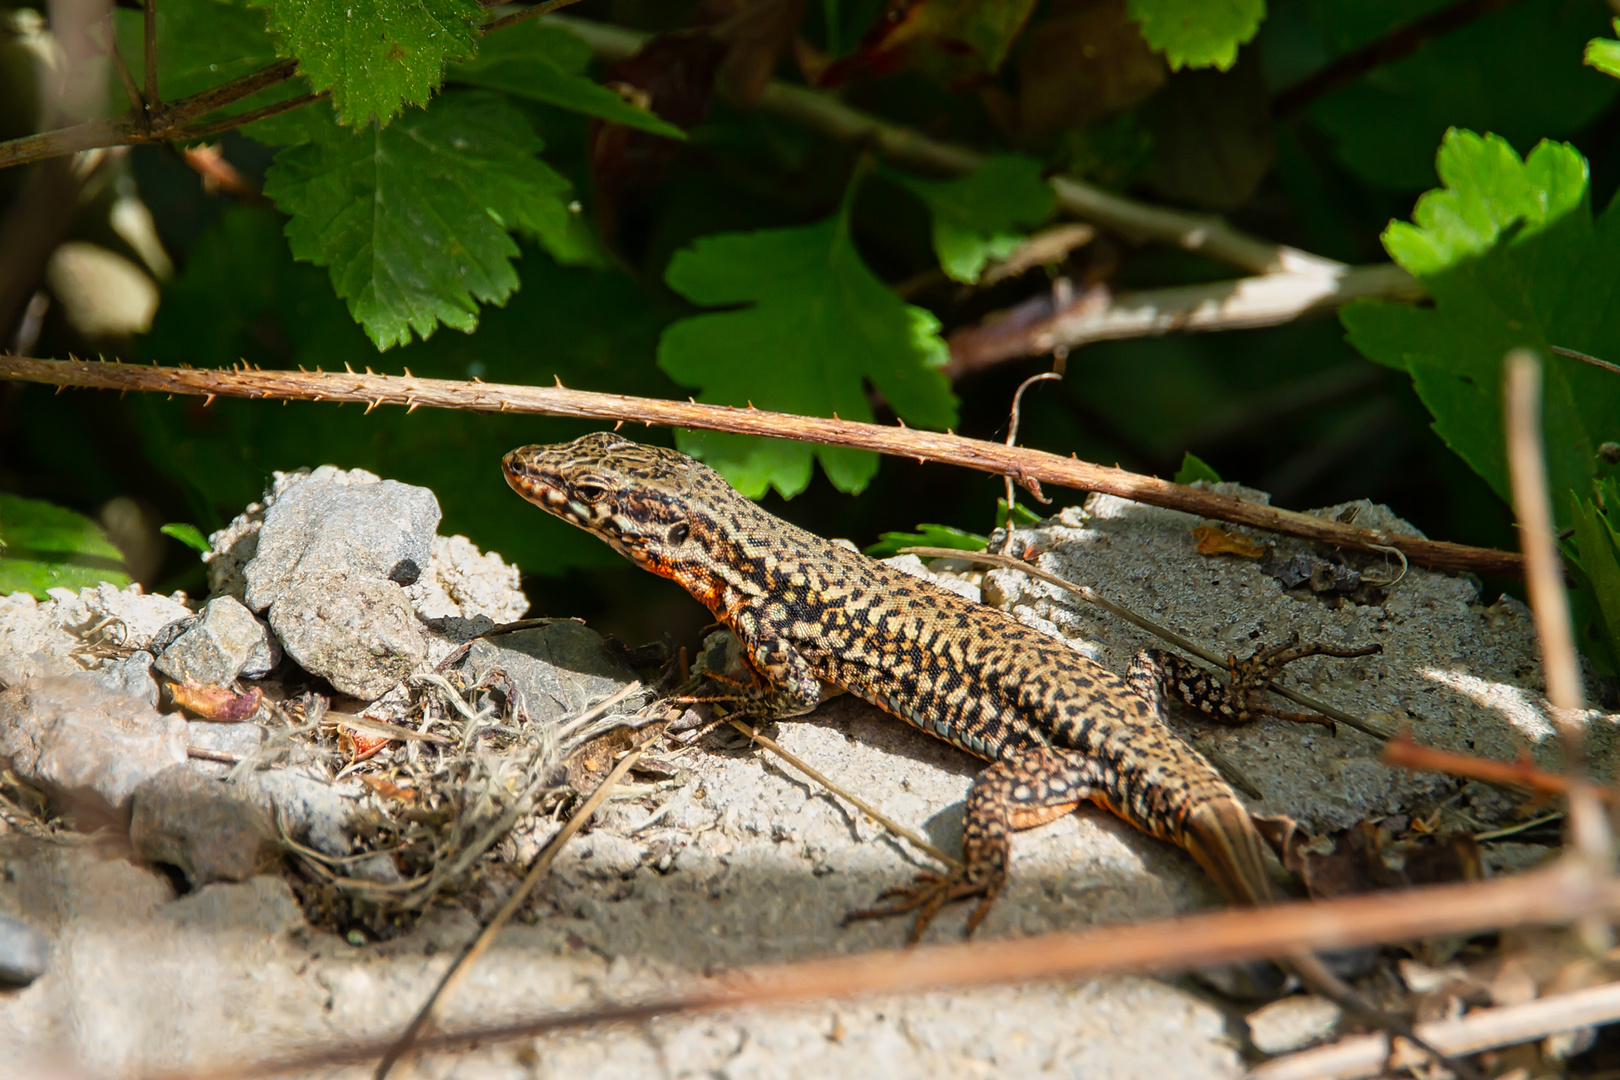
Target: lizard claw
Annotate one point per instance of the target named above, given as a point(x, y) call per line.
point(926, 894)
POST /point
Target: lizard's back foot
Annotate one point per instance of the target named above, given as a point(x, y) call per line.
point(1237, 699)
point(928, 893)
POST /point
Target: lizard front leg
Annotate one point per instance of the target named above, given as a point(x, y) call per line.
point(1018, 792)
point(791, 686)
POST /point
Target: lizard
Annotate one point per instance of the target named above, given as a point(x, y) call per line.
point(812, 616)
point(815, 618)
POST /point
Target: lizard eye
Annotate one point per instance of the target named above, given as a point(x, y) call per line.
point(679, 532)
point(591, 493)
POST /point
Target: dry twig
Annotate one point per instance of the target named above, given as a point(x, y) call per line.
point(1026, 466)
point(1483, 1029)
point(1523, 773)
point(1549, 604)
point(1048, 323)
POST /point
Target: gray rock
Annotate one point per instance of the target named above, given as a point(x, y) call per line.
point(313, 809)
point(264, 907)
point(238, 740)
point(559, 669)
point(361, 636)
point(88, 747)
point(1292, 1023)
point(225, 642)
point(23, 952)
point(378, 866)
point(204, 828)
point(465, 583)
point(130, 676)
point(382, 531)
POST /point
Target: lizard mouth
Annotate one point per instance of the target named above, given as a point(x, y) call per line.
point(526, 476)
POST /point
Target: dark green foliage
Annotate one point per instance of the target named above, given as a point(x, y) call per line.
point(983, 215)
point(927, 535)
point(189, 535)
point(413, 218)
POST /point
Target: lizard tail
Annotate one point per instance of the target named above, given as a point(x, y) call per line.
point(1221, 835)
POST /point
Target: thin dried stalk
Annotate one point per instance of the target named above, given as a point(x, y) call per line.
point(1031, 468)
point(1483, 1029)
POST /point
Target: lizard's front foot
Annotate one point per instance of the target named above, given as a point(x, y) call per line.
point(928, 893)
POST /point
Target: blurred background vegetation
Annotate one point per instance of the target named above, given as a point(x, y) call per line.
point(177, 255)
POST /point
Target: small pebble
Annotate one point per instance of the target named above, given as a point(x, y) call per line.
point(1292, 1023)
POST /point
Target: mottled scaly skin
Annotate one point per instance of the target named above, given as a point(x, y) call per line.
point(1058, 728)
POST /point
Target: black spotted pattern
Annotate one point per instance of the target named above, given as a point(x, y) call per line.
point(1059, 728)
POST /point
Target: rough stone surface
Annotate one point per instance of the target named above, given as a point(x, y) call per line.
point(206, 829)
point(326, 525)
point(89, 748)
point(24, 953)
point(1460, 674)
point(128, 616)
point(1292, 1023)
point(315, 810)
point(225, 642)
point(465, 583)
point(359, 635)
point(39, 638)
point(559, 669)
point(130, 676)
point(239, 740)
point(32, 642)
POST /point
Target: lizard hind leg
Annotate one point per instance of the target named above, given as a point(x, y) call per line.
point(1015, 793)
point(1237, 699)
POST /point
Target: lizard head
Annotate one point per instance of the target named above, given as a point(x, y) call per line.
point(644, 501)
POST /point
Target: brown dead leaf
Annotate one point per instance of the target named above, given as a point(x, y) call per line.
point(1215, 541)
point(1088, 61)
point(388, 789)
point(219, 703)
point(1368, 858)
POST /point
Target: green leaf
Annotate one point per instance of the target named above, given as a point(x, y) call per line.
point(541, 62)
point(1604, 53)
point(1194, 468)
point(46, 547)
point(1597, 606)
point(1512, 258)
point(375, 56)
point(1022, 515)
point(1511, 72)
point(978, 217)
point(412, 219)
point(1198, 33)
point(1488, 191)
point(927, 535)
point(189, 535)
point(814, 327)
